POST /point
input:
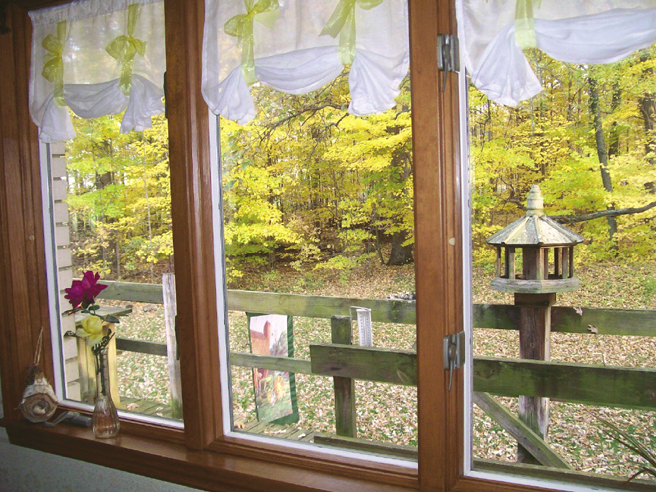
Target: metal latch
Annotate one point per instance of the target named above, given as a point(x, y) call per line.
point(454, 353)
point(447, 55)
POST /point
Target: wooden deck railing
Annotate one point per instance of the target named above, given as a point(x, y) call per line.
point(623, 387)
point(497, 316)
point(580, 383)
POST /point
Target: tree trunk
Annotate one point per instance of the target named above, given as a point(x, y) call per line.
point(614, 133)
point(602, 153)
point(400, 254)
point(647, 104)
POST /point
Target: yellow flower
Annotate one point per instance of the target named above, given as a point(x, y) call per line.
point(91, 330)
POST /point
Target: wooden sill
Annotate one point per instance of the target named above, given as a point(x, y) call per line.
point(554, 475)
point(173, 462)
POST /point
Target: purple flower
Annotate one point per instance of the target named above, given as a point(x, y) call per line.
point(84, 291)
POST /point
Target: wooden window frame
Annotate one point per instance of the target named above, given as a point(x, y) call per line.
point(201, 456)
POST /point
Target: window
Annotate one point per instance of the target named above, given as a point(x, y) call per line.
point(96, 84)
point(219, 461)
point(576, 155)
point(299, 214)
point(110, 195)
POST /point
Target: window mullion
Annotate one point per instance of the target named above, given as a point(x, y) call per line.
point(191, 197)
point(437, 245)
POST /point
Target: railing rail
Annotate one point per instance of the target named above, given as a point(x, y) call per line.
point(623, 387)
point(564, 319)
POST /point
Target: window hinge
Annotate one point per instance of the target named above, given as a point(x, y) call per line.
point(447, 55)
point(177, 345)
point(454, 353)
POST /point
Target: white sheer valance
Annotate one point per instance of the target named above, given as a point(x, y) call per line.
point(494, 32)
point(297, 46)
point(97, 57)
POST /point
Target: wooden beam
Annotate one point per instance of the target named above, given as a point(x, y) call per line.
point(395, 450)
point(172, 352)
point(383, 310)
point(564, 319)
point(534, 344)
point(132, 291)
point(510, 263)
point(603, 482)
point(626, 322)
point(345, 413)
point(577, 383)
point(524, 435)
point(141, 346)
point(365, 363)
point(284, 364)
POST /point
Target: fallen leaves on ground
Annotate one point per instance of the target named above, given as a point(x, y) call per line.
point(387, 413)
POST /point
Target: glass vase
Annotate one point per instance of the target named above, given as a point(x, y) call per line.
point(105, 416)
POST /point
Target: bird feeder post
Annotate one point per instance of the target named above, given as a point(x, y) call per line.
point(535, 290)
point(534, 344)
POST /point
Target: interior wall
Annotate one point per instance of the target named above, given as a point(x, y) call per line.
point(26, 470)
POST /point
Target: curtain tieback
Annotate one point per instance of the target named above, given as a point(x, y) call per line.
point(524, 25)
point(53, 63)
point(124, 48)
point(342, 23)
point(241, 26)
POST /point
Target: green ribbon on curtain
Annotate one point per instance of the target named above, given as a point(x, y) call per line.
point(124, 48)
point(241, 26)
point(342, 23)
point(53, 62)
point(524, 25)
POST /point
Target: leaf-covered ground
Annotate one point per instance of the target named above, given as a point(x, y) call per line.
point(387, 412)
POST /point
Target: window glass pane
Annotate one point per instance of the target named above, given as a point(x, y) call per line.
point(111, 214)
point(318, 221)
point(588, 142)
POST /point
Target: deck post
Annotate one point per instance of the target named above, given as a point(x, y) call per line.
point(534, 344)
point(170, 311)
point(345, 414)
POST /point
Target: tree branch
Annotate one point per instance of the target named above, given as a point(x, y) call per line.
point(271, 127)
point(570, 219)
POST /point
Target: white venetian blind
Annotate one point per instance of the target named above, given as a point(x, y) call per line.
point(97, 57)
point(297, 46)
point(494, 32)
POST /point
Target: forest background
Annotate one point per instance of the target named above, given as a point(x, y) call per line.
point(317, 201)
point(308, 187)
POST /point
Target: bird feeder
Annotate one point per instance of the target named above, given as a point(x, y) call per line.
point(527, 267)
point(527, 243)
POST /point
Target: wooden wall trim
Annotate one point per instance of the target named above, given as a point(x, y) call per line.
point(23, 286)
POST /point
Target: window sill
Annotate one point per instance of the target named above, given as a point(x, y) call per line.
point(173, 462)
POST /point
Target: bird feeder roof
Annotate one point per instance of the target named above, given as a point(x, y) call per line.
point(535, 228)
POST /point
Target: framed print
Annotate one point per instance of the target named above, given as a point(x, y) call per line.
point(275, 391)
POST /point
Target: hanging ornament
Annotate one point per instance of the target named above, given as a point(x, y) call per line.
point(39, 400)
